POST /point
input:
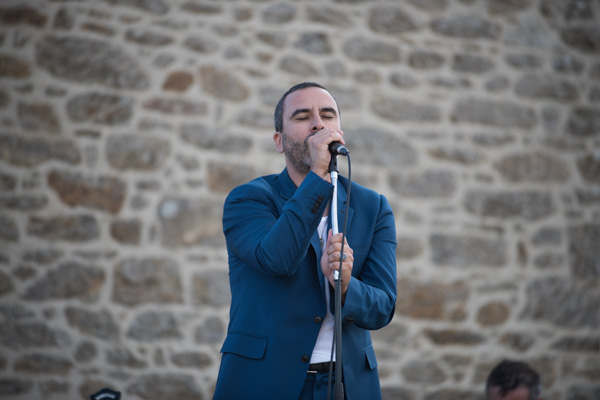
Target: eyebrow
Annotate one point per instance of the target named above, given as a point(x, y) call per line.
point(306, 110)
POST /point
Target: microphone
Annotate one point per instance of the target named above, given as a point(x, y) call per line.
point(336, 148)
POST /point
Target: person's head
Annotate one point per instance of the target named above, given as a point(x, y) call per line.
point(513, 380)
point(279, 108)
point(302, 111)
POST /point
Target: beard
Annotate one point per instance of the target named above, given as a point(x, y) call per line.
point(296, 153)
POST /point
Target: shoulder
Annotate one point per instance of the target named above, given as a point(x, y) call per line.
point(259, 187)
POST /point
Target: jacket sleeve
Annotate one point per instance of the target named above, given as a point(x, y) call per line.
point(267, 234)
point(371, 296)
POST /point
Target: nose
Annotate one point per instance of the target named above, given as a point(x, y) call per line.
point(317, 124)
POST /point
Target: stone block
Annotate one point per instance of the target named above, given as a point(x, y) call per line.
point(69, 228)
point(147, 280)
point(70, 280)
point(90, 61)
point(103, 193)
point(467, 251)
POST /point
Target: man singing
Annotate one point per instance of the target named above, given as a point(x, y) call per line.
point(282, 258)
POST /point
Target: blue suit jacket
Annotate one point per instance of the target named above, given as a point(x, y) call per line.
point(277, 287)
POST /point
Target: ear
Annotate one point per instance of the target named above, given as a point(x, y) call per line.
point(277, 138)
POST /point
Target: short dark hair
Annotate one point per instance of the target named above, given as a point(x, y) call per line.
point(278, 116)
point(509, 375)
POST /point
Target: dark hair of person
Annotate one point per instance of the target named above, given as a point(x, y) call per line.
point(278, 117)
point(509, 375)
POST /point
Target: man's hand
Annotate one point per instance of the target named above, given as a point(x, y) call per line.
point(330, 261)
point(318, 148)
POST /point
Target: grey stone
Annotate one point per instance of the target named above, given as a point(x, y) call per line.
point(22, 14)
point(211, 331)
point(170, 106)
point(30, 152)
point(100, 324)
point(329, 16)
point(26, 203)
point(585, 39)
point(314, 43)
point(451, 337)
point(147, 280)
point(518, 341)
point(15, 386)
point(211, 288)
point(136, 152)
point(100, 108)
point(188, 222)
point(126, 232)
point(70, 280)
point(38, 363)
point(467, 251)
point(408, 247)
point(584, 251)
point(390, 19)
point(584, 122)
point(12, 67)
point(523, 60)
point(279, 13)
point(26, 335)
point(426, 184)
point(86, 352)
point(38, 117)
point(196, 360)
point(120, 357)
point(533, 167)
point(563, 303)
point(6, 285)
point(9, 230)
point(567, 64)
point(365, 49)
point(223, 177)
point(150, 326)
point(464, 156)
point(201, 45)
point(156, 7)
point(434, 300)
point(547, 237)
point(379, 147)
point(423, 372)
point(42, 256)
point(584, 344)
point(71, 228)
point(589, 168)
point(148, 38)
point(176, 386)
point(466, 27)
point(297, 66)
point(90, 61)
point(214, 138)
point(583, 392)
point(504, 7)
point(396, 109)
point(470, 63)
point(530, 205)
point(223, 84)
point(546, 87)
point(425, 60)
point(494, 113)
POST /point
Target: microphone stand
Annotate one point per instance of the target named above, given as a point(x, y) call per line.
point(339, 384)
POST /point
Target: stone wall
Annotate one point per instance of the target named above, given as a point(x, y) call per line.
point(124, 124)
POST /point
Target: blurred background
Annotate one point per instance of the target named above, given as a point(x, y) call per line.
point(125, 123)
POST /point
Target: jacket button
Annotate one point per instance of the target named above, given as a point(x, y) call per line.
point(318, 320)
point(305, 359)
point(348, 319)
